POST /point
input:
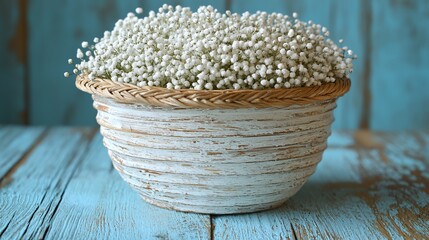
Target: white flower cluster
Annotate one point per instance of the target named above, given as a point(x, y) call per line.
point(180, 49)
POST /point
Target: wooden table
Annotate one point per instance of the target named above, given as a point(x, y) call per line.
point(59, 184)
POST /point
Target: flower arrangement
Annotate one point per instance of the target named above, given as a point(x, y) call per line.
point(180, 49)
point(181, 135)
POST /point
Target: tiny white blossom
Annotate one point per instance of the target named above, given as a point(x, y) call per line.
point(66, 74)
point(79, 53)
point(84, 44)
point(291, 33)
point(180, 49)
point(139, 10)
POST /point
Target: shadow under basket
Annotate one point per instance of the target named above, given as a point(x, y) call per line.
point(214, 151)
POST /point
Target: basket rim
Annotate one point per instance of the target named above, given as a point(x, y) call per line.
point(228, 98)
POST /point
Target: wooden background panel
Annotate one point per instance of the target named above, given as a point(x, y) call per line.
point(399, 61)
point(56, 29)
point(389, 81)
point(12, 62)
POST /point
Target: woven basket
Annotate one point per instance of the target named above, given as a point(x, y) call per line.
point(214, 151)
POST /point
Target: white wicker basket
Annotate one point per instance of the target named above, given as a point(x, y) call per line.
point(213, 160)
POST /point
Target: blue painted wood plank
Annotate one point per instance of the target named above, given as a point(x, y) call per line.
point(15, 143)
point(329, 205)
point(55, 100)
point(399, 65)
point(12, 63)
point(263, 225)
point(98, 204)
point(343, 23)
point(28, 202)
point(368, 186)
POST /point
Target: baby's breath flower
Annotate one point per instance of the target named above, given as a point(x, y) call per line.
point(79, 53)
point(84, 44)
point(176, 48)
point(139, 10)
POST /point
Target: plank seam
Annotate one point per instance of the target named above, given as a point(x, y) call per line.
point(55, 208)
point(46, 212)
point(366, 77)
point(7, 178)
point(227, 5)
point(27, 97)
point(7, 225)
point(293, 232)
point(53, 213)
point(211, 227)
point(32, 216)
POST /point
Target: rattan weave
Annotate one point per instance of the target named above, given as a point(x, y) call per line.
point(189, 98)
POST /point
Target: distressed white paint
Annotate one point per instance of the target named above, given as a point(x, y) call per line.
point(217, 161)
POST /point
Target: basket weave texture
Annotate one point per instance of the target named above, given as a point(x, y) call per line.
point(214, 151)
point(189, 98)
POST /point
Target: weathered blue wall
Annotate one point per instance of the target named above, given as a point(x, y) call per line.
point(390, 83)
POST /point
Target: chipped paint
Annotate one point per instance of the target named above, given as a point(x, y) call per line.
point(8, 176)
point(393, 187)
point(366, 139)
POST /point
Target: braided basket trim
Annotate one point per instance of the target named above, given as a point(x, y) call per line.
point(230, 98)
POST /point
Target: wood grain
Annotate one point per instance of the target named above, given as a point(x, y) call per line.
point(368, 186)
point(15, 143)
point(29, 201)
point(98, 202)
point(262, 225)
